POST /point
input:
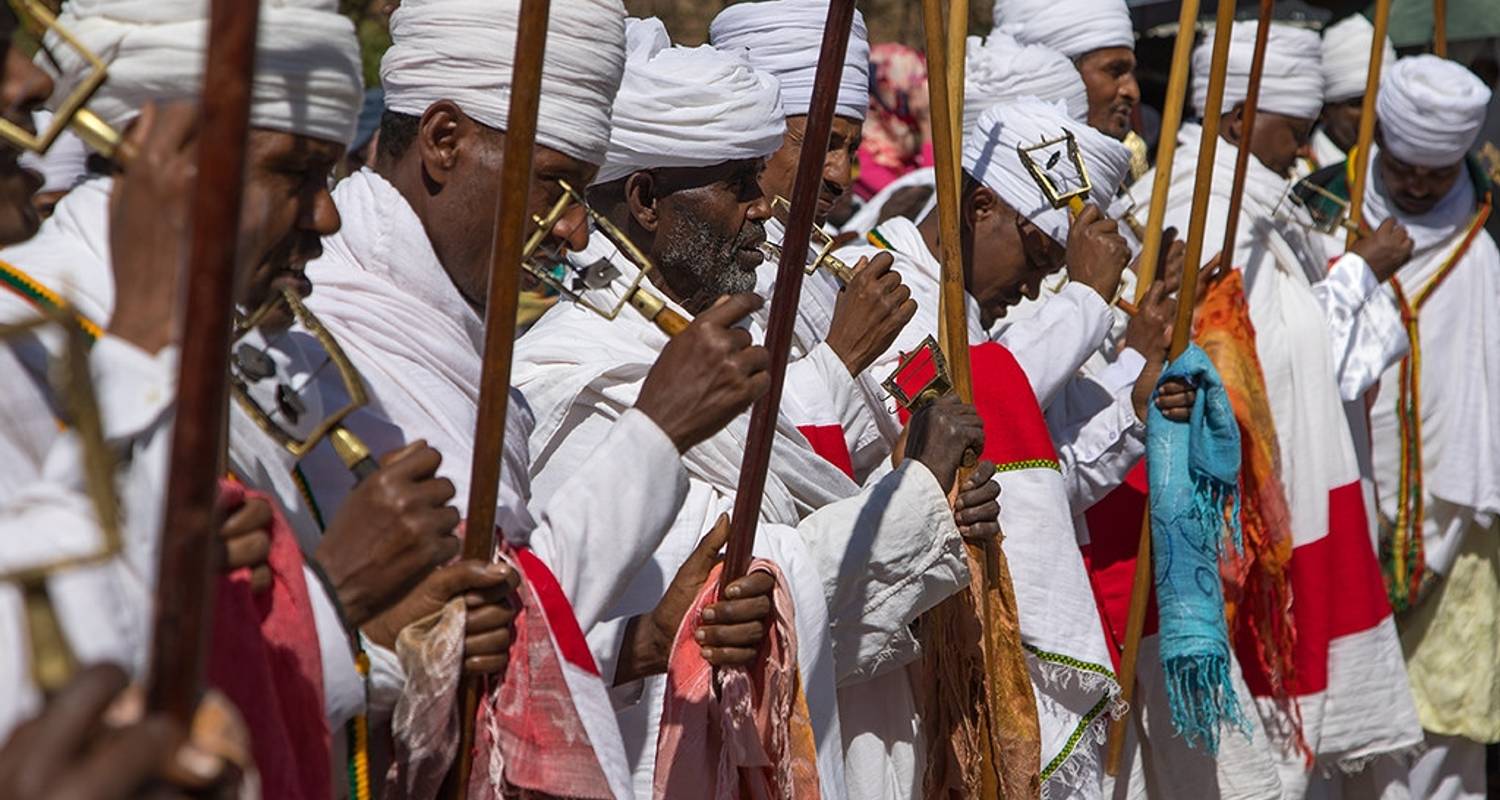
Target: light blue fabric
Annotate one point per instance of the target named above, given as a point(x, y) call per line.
point(1193, 468)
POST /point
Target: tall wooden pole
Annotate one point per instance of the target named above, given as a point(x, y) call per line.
point(1247, 130)
point(500, 331)
point(190, 525)
point(1208, 148)
point(789, 272)
point(953, 324)
point(1439, 28)
point(1367, 120)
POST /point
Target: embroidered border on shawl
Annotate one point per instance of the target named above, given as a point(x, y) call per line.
point(42, 297)
point(1030, 463)
point(1110, 702)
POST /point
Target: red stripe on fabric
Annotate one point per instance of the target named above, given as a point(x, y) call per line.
point(1337, 589)
point(1114, 539)
point(560, 619)
point(828, 442)
point(1008, 406)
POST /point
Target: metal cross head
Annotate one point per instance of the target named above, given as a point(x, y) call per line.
point(1058, 169)
point(821, 246)
point(920, 377)
point(38, 20)
point(1327, 211)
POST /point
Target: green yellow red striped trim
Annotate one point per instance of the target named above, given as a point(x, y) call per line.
point(42, 297)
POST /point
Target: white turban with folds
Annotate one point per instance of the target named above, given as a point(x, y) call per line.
point(307, 68)
point(1430, 110)
point(1346, 58)
point(464, 51)
point(1000, 68)
point(1071, 27)
point(688, 106)
point(783, 38)
point(990, 155)
point(1292, 83)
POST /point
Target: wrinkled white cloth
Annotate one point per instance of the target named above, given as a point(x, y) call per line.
point(464, 51)
point(999, 68)
point(783, 38)
point(1071, 27)
point(990, 156)
point(64, 164)
point(1346, 57)
point(1292, 82)
point(307, 67)
point(1430, 110)
point(688, 106)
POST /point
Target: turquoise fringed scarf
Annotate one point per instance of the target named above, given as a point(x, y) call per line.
point(1194, 475)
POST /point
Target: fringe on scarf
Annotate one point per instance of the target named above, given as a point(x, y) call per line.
point(1201, 695)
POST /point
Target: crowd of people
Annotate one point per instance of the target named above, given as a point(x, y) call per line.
point(1321, 466)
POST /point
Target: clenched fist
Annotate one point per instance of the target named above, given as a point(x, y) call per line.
point(869, 313)
point(393, 530)
point(488, 591)
point(939, 434)
point(706, 375)
point(1386, 250)
point(1096, 252)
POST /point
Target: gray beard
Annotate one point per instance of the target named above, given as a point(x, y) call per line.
point(700, 266)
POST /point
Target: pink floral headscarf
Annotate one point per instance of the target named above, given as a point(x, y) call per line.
point(896, 130)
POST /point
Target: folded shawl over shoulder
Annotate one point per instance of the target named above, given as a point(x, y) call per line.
point(307, 68)
point(783, 38)
point(463, 50)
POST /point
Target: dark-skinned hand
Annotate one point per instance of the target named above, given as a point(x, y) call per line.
point(1386, 250)
point(1096, 252)
point(1149, 332)
point(246, 535)
point(395, 527)
point(977, 510)
point(707, 375)
point(1174, 399)
point(89, 744)
point(939, 434)
point(490, 604)
point(149, 210)
point(869, 313)
point(1169, 265)
point(731, 631)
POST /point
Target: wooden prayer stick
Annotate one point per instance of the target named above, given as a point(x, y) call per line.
point(789, 272)
point(190, 527)
point(953, 323)
point(1439, 28)
point(500, 333)
point(1140, 591)
point(1247, 129)
point(1367, 120)
point(958, 41)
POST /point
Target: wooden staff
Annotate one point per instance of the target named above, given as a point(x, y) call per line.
point(789, 271)
point(1439, 28)
point(1247, 129)
point(1224, 18)
point(1367, 120)
point(953, 322)
point(190, 527)
point(500, 332)
point(958, 41)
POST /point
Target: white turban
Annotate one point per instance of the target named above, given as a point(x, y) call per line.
point(464, 51)
point(688, 106)
point(1430, 110)
point(307, 67)
point(1346, 58)
point(783, 38)
point(1000, 68)
point(1071, 27)
point(991, 157)
point(1292, 83)
point(63, 164)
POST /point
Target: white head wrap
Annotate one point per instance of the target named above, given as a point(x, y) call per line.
point(1346, 58)
point(783, 38)
point(63, 164)
point(1000, 68)
point(688, 106)
point(1430, 110)
point(463, 50)
point(1071, 27)
point(307, 68)
point(1292, 83)
point(990, 156)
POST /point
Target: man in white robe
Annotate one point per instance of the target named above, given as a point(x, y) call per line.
point(691, 129)
point(1346, 66)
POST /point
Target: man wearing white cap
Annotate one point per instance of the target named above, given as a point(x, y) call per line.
point(1350, 684)
point(1098, 36)
point(692, 127)
point(1435, 423)
point(1346, 65)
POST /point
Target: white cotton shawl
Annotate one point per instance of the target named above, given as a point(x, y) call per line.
point(307, 67)
point(990, 156)
point(1346, 58)
point(1292, 82)
point(64, 164)
point(464, 51)
point(1071, 27)
point(688, 106)
point(1430, 110)
point(999, 68)
point(783, 38)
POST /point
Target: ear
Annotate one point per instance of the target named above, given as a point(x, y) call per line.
point(981, 205)
point(1233, 122)
point(640, 197)
point(438, 139)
